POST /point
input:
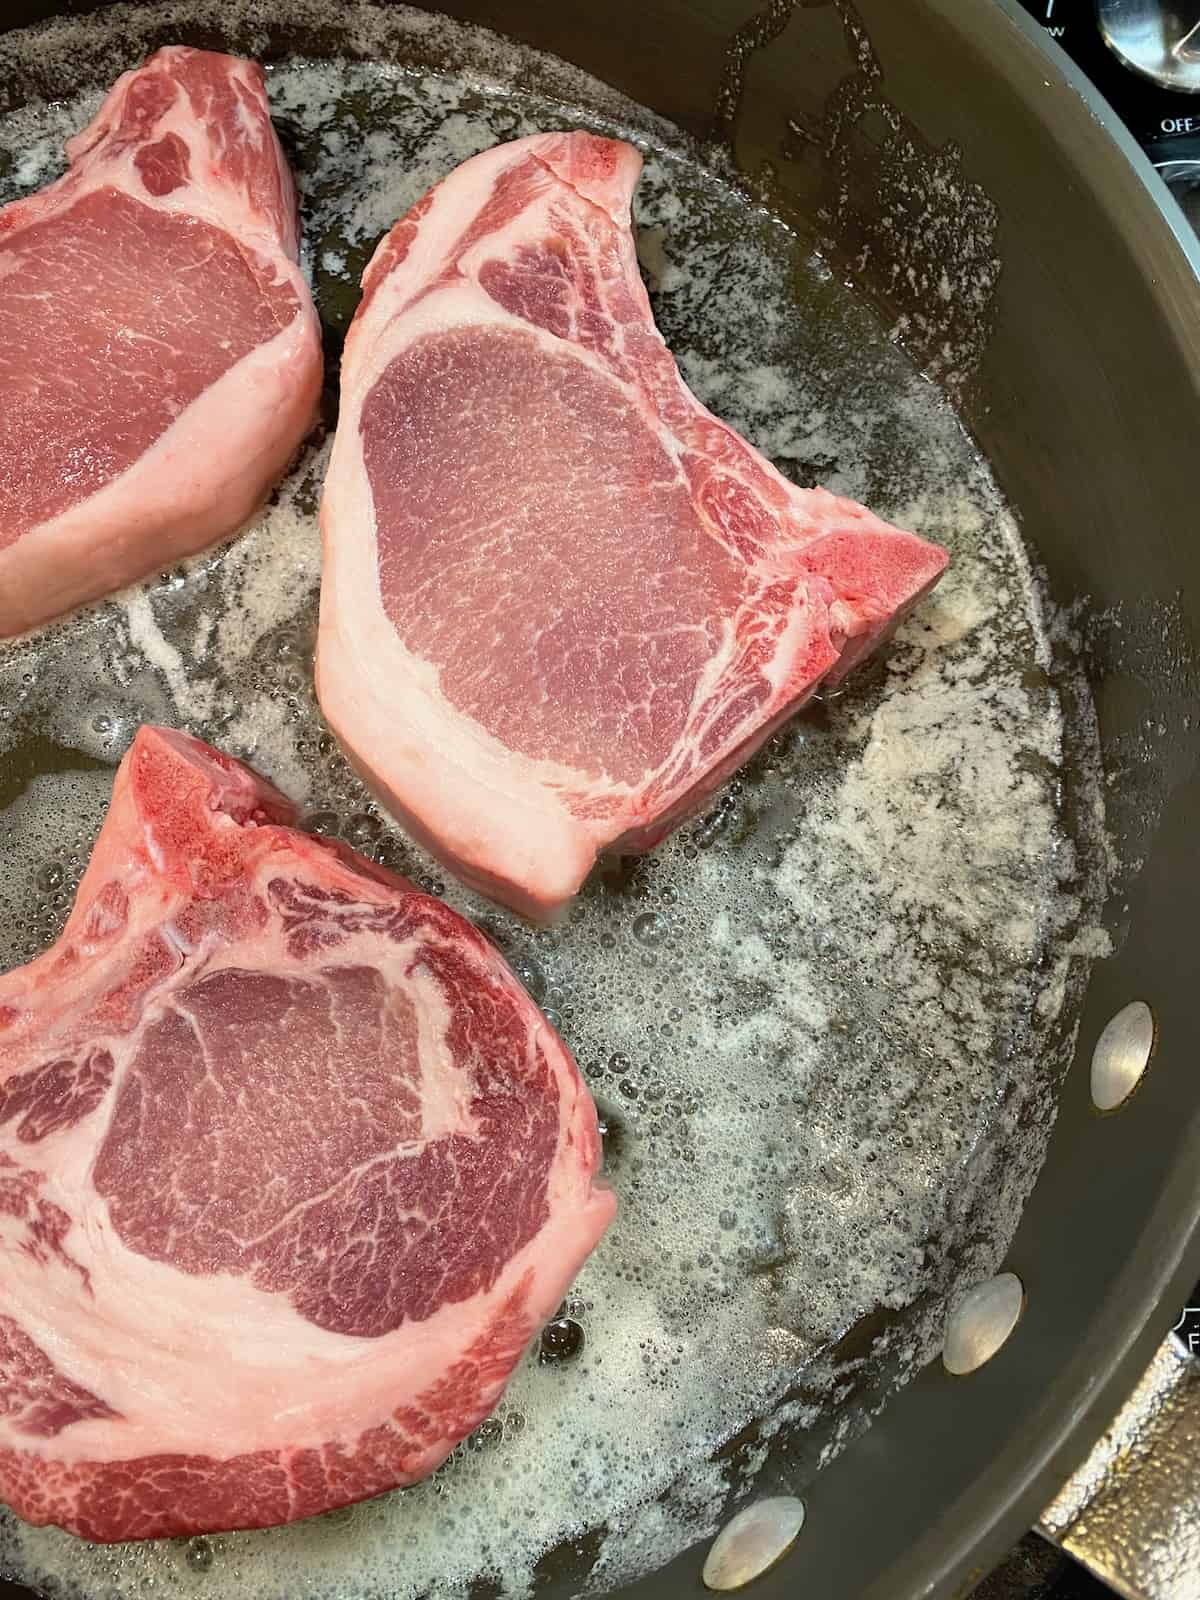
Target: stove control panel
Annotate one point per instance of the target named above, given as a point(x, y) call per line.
point(1144, 57)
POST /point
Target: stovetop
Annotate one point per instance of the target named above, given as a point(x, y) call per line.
point(1035, 1570)
point(1144, 57)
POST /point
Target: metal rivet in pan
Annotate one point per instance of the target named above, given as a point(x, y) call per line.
point(1121, 1055)
point(981, 1323)
point(753, 1541)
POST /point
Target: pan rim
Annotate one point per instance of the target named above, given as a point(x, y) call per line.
point(980, 1525)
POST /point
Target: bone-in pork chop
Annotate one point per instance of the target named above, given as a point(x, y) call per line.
point(562, 602)
point(160, 358)
point(291, 1170)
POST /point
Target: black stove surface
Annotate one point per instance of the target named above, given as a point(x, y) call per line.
point(1163, 118)
point(1037, 1571)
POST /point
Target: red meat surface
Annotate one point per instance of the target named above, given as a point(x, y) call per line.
point(291, 1171)
point(561, 601)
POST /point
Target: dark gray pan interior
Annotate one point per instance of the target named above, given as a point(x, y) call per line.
point(972, 193)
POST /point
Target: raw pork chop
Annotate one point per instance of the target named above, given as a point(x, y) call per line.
point(160, 358)
point(291, 1169)
point(561, 602)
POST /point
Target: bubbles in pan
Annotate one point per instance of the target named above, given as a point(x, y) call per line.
point(813, 1020)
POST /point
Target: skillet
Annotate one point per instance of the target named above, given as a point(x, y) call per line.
point(911, 142)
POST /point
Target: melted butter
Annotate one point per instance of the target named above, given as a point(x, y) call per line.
point(812, 1019)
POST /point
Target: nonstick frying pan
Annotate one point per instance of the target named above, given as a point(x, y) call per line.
point(970, 187)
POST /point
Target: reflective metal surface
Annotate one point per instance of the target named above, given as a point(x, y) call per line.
point(1131, 1513)
point(982, 1323)
point(1158, 38)
point(1121, 1055)
point(753, 1541)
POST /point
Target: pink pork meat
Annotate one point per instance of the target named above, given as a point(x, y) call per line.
point(291, 1170)
point(561, 602)
point(160, 357)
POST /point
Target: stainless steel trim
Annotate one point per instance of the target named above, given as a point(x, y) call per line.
point(1131, 1513)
